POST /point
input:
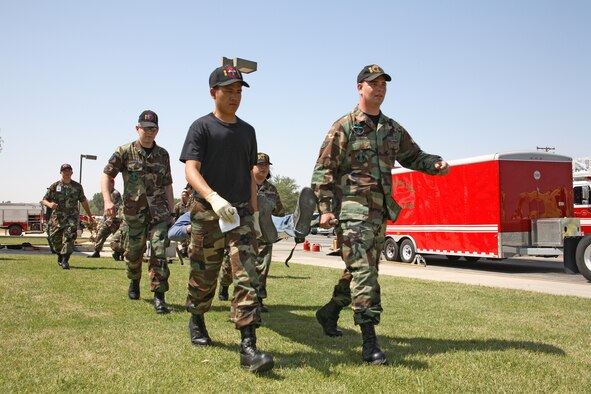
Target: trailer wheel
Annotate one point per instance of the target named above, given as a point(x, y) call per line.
point(391, 251)
point(407, 251)
point(583, 257)
point(15, 229)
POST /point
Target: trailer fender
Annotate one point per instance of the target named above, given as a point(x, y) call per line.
point(583, 257)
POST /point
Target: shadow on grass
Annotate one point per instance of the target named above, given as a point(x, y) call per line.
point(288, 277)
point(82, 267)
point(324, 351)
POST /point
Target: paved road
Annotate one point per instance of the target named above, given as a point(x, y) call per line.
point(533, 274)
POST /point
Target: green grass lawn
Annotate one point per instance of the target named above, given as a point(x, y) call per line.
point(76, 331)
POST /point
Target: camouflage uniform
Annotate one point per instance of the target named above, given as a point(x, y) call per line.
point(65, 218)
point(266, 249)
point(145, 208)
point(206, 252)
point(108, 225)
point(352, 179)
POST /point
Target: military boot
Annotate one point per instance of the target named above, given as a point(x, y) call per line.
point(223, 294)
point(116, 256)
point(160, 304)
point(302, 217)
point(95, 255)
point(371, 351)
point(328, 316)
point(59, 259)
point(198, 331)
point(134, 289)
point(250, 357)
point(268, 229)
point(65, 261)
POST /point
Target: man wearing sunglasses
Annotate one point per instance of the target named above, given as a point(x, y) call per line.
point(148, 205)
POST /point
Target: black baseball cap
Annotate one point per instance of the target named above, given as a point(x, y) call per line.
point(148, 119)
point(65, 167)
point(263, 158)
point(371, 72)
point(224, 76)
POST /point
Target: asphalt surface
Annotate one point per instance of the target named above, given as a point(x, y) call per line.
point(531, 274)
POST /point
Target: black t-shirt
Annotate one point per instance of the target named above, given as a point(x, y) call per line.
point(227, 152)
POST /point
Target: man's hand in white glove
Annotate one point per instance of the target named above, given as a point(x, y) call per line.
point(257, 226)
point(222, 207)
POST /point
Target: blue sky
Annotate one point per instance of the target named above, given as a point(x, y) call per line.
point(469, 77)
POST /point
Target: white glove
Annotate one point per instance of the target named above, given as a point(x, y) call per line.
point(222, 207)
point(257, 226)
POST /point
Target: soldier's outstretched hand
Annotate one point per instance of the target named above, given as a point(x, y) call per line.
point(442, 167)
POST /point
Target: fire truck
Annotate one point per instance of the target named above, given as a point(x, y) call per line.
point(494, 206)
point(17, 218)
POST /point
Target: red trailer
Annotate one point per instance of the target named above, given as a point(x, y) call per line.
point(494, 206)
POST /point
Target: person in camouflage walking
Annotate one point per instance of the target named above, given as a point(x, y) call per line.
point(353, 183)
point(147, 205)
point(219, 152)
point(62, 197)
point(109, 225)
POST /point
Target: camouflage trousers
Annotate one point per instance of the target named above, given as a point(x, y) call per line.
point(140, 227)
point(206, 253)
point(63, 235)
point(107, 227)
point(262, 268)
point(361, 246)
point(119, 240)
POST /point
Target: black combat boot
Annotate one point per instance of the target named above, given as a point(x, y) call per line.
point(262, 308)
point(223, 294)
point(95, 255)
point(159, 304)
point(198, 331)
point(327, 316)
point(59, 259)
point(65, 261)
point(134, 289)
point(250, 357)
point(371, 351)
point(302, 217)
point(116, 256)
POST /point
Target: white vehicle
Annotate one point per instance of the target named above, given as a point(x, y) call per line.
point(21, 217)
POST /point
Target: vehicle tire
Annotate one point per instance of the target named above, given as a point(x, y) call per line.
point(15, 229)
point(391, 251)
point(453, 257)
point(583, 257)
point(472, 259)
point(407, 251)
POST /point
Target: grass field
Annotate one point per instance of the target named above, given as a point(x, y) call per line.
point(76, 331)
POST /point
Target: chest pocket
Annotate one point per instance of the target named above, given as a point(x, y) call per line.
point(392, 144)
point(135, 169)
point(361, 153)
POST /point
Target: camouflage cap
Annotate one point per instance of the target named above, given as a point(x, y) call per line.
point(263, 158)
point(371, 72)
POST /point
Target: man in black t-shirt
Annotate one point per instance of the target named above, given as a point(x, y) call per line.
point(219, 152)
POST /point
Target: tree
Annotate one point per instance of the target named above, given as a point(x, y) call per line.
point(288, 191)
point(97, 205)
